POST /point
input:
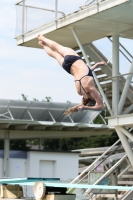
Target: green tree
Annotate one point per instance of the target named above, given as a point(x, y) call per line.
point(34, 99)
point(47, 99)
point(1, 144)
point(18, 145)
point(68, 144)
point(24, 97)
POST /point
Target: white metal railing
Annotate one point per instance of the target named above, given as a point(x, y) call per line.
point(83, 175)
point(124, 51)
point(24, 20)
point(90, 2)
point(30, 17)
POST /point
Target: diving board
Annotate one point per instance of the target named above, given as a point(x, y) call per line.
point(59, 184)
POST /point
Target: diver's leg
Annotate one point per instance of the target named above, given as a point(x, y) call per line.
point(57, 47)
point(51, 53)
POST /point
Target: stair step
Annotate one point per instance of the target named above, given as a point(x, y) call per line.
point(130, 170)
point(99, 72)
point(110, 195)
point(101, 79)
point(127, 176)
point(125, 182)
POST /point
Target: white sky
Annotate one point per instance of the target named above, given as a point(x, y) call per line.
point(30, 71)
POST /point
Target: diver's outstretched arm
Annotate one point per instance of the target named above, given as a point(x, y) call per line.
point(95, 95)
point(96, 65)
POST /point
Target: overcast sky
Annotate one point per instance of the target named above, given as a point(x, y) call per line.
point(30, 71)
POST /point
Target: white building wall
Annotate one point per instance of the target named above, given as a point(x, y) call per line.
point(18, 168)
point(55, 165)
point(50, 165)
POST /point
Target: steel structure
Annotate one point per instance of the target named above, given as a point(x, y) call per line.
point(86, 25)
point(78, 30)
point(30, 119)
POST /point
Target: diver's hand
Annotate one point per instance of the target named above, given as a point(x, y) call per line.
point(101, 63)
point(81, 108)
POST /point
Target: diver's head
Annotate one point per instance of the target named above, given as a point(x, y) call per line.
point(88, 102)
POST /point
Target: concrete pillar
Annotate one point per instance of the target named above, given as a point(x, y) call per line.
point(6, 154)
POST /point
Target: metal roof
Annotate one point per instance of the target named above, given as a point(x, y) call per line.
point(42, 112)
point(32, 119)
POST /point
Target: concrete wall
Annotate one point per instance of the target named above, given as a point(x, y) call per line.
point(18, 168)
point(41, 164)
point(52, 164)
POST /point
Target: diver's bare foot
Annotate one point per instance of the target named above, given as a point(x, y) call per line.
point(41, 43)
point(41, 38)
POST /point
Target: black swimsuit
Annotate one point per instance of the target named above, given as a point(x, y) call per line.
point(67, 63)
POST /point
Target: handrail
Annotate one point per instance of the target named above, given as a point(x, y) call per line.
point(84, 3)
point(107, 173)
point(19, 2)
point(89, 3)
point(28, 6)
point(123, 52)
point(89, 167)
point(22, 3)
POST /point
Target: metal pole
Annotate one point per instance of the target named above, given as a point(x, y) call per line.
point(23, 16)
point(130, 108)
point(88, 63)
point(115, 72)
point(107, 173)
point(56, 8)
point(81, 47)
point(126, 132)
point(26, 10)
point(102, 118)
point(125, 144)
point(6, 155)
point(125, 90)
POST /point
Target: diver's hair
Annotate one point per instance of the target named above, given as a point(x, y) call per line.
point(88, 102)
point(85, 102)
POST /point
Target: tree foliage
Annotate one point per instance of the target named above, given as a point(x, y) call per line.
point(18, 145)
point(47, 99)
point(68, 144)
point(24, 97)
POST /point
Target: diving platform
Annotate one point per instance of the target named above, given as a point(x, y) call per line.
point(60, 184)
point(92, 22)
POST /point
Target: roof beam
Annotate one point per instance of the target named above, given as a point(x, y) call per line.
point(21, 127)
point(27, 134)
